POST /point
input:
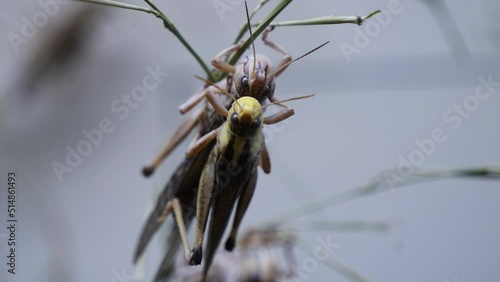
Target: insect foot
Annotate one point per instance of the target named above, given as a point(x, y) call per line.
point(195, 256)
point(147, 171)
point(229, 244)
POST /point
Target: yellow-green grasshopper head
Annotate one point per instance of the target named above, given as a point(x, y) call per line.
point(245, 117)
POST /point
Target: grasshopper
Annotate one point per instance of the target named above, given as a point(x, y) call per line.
point(231, 171)
point(254, 77)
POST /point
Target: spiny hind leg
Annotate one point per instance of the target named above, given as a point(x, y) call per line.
point(243, 203)
point(177, 209)
point(180, 134)
point(204, 200)
point(175, 206)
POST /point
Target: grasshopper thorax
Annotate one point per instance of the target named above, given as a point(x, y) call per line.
point(245, 117)
point(254, 82)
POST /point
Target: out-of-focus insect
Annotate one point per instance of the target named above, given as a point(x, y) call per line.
point(180, 192)
point(256, 260)
point(253, 261)
point(61, 48)
point(231, 171)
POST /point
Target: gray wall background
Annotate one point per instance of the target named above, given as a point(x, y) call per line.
point(366, 114)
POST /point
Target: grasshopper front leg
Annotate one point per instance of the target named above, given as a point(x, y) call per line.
point(219, 62)
point(280, 68)
point(281, 115)
point(283, 64)
point(198, 145)
point(202, 142)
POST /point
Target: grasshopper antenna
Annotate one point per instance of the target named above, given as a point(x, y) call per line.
point(288, 100)
point(287, 64)
point(254, 72)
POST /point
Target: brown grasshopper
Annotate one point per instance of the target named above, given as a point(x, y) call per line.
point(180, 192)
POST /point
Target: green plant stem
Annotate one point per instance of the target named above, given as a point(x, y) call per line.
point(261, 27)
point(166, 22)
point(331, 262)
point(380, 184)
point(244, 27)
point(117, 4)
point(171, 27)
point(327, 20)
point(236, 56)
point(344, 226)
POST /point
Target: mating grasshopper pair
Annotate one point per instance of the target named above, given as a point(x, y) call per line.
point(253, 77)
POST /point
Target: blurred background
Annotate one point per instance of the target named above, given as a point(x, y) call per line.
point(67, 66)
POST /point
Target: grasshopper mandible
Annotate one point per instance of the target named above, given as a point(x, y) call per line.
point(231, 171)
point(180, 192)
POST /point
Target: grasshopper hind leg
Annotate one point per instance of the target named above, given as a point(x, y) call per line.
point(176, 206)
point(204, 201)
point(222, 205)
point(243, 203)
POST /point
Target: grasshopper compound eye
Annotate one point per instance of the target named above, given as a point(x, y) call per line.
point(234, 118)
point(256, 124)
point(244, 82)
point(267, 91)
